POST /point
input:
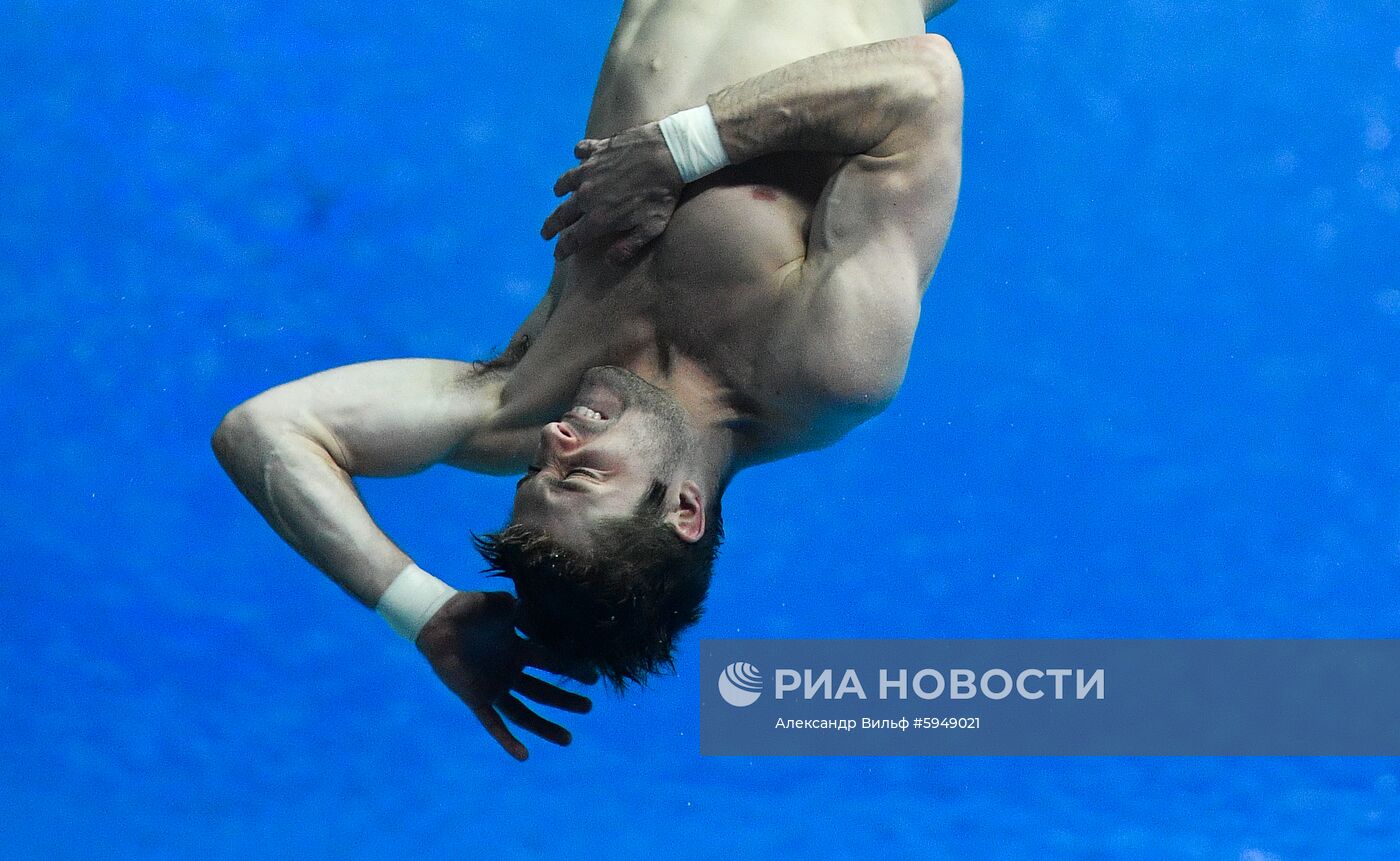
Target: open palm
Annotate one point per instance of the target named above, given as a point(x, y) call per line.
point(473, 647)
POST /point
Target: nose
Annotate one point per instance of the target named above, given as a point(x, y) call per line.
point(561, 437)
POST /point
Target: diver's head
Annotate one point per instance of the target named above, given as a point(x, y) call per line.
point(614, 530)
point(597, 462)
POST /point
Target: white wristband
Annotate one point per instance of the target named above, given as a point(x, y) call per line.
point(693, 139)
point(411, 600)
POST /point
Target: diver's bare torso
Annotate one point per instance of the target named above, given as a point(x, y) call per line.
point(705, 295)
point(777, 309)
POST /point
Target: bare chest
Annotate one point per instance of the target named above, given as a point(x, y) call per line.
point(706, 295)
point(715, 284)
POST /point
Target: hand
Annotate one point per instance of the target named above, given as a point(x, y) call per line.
point(627, 184)
point(472, 646)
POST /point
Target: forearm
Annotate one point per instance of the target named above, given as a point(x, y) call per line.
point(845, 102)
point(877, 100)
point(309, 499)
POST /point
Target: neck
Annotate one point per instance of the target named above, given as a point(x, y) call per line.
point(542, 385)
point(714, 412)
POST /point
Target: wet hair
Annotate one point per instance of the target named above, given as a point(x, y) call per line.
point(620, 606)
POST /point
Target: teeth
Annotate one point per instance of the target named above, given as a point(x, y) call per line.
point(588, 413)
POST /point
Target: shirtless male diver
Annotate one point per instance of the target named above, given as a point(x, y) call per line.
point(690, 330)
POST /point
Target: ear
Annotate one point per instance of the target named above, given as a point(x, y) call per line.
point(689, 517)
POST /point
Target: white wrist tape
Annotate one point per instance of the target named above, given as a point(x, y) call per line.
point(693, 139)
point(411, 600)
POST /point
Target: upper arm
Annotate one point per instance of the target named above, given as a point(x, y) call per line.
point(876, 235)
point(383, 418)
point(399, 416)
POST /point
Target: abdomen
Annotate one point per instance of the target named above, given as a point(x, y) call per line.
point(668, 55)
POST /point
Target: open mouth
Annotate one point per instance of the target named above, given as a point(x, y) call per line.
point(599, 393)
point(585, 420)
point(588, 413)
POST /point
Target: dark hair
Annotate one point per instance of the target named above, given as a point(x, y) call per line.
point(618, 607)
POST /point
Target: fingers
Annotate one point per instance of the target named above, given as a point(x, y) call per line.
point(539, 657)
point(544, 693)
point(568, 212)
point(568, 182)
point(520, 715)
point(584, 230)
point(498, 730)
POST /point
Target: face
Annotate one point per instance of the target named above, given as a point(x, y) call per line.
point(601, 457)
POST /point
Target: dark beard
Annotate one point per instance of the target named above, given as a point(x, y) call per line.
point(670, 426)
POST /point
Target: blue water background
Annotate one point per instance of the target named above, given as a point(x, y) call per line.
point(1155, 392)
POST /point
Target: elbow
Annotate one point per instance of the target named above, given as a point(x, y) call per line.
point(239, 431)
point(934, 51)
point(264, 427)
point(925, 93)
point(229, 435)
point(937, 72)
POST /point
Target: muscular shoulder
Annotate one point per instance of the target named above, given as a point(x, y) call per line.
point(847, 343)
point(856, 378)
point(817, 409)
